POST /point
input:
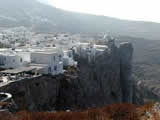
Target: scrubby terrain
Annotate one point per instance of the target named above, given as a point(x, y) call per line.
point(111, 112)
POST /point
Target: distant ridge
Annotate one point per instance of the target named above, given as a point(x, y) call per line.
point(44, 18)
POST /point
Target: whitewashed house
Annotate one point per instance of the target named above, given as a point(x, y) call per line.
point(68, 58)
point(100, 48)
point(25, 55)
point(48, 60)
point(10, 60)
point(52, 60)
point(83, 49)
point(89, 50)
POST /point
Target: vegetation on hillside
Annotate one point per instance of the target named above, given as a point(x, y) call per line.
point(4, 45)
point(110, 112)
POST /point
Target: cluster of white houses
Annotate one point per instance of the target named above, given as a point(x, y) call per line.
point(49, 60)
point(89, 50)
point(45, 60)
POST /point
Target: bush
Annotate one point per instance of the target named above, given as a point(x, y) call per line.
point(110, 112)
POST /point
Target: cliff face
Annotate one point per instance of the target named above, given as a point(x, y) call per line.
point(126, 53)
point(34, 94)
point(100, 79)
point(106, 79)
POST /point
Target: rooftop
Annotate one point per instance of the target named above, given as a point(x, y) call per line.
point(18, 70)
point(45, 52)
point(7, 54)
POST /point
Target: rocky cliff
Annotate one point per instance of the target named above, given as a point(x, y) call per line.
point(107, 78)
point(38, 93)
point(126, 53)
point(104, 80)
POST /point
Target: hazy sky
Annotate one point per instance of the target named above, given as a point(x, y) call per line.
point(145, 10)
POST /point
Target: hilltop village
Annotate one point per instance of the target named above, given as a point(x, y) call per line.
point(30, 55)
point(25, 55)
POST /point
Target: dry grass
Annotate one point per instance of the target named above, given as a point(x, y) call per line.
point(110, 112)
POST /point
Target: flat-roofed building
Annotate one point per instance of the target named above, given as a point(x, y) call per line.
point(89, 50)
point(10, 60)
point(68, 58)
point(52, 59)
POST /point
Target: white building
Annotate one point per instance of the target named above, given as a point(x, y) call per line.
point(68, 58)
point(52, 60)
point(10, 60)
point(89, 50)
point(24, 54)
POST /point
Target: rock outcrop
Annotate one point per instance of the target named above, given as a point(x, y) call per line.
point(34, 94)
point(107, 78)
point(100, 79)
point(126, 53)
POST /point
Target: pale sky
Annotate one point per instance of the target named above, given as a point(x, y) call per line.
point(143, 10)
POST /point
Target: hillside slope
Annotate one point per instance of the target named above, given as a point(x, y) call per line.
point(41, 17)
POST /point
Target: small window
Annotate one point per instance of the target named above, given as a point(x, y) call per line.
point(55, 68)
point(21, 60)
point(54, 58)
point(70, 55)
point(60, 57)
point(49, 70)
